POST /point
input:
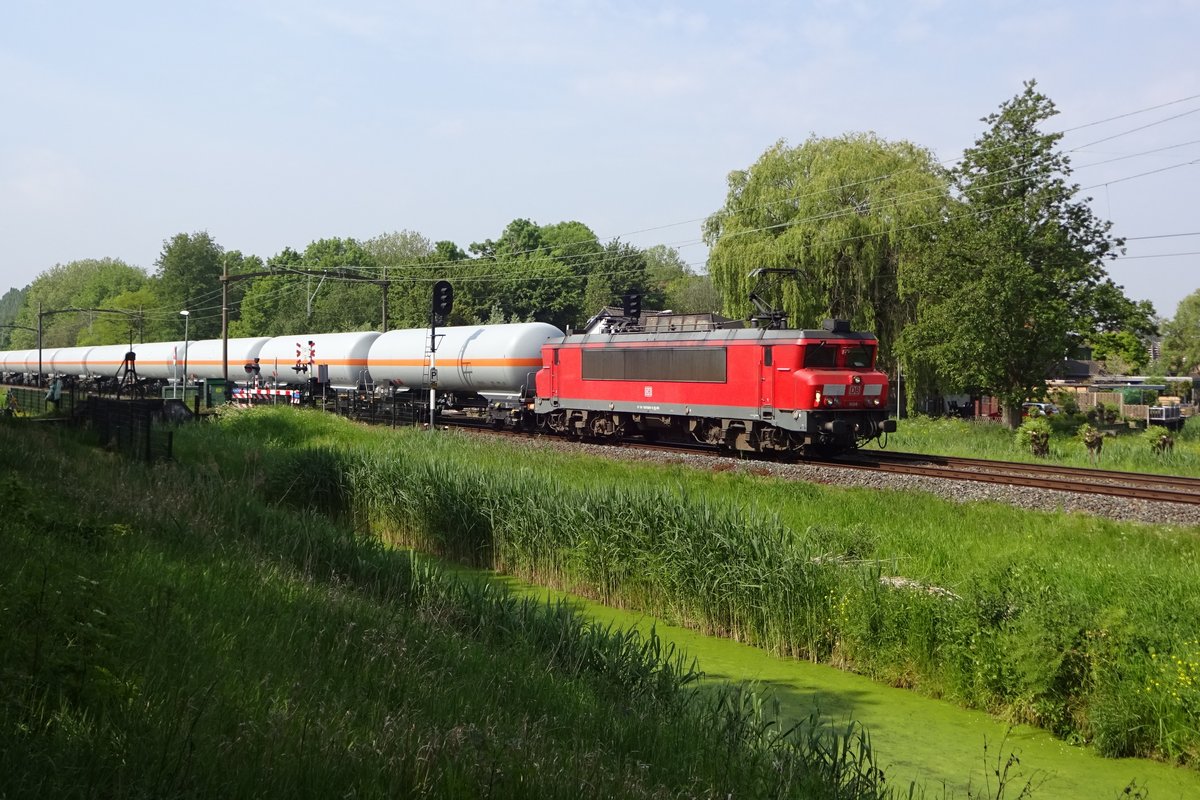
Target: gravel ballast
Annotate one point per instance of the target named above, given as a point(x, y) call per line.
point(1117, 508)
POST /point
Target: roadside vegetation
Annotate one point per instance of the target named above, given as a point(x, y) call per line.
point(1080, 625)
point(1130, 451)
point(216, 628)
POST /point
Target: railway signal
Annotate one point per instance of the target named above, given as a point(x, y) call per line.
point(443, 300)
point(632, 305)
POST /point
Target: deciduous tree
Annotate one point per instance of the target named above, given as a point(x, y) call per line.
point(844, 212)
point(87, 283)
point(189, 278)
point(1181, 340)
point(1018, 268)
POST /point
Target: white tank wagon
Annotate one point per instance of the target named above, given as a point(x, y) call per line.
point(296, 359)
point(70, 361)
point(17, 362)
point(483, 359)
point(205, 358)
point(159, 361)
point(105, 361)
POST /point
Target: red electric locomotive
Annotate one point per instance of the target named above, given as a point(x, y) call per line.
point(753, 389)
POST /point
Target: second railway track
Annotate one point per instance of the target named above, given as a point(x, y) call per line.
point(1078, 480)
point(1132, 485)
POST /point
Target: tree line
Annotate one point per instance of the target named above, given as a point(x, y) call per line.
point(560, 274)
point(979, 277)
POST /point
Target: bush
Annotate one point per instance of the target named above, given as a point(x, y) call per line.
point(1160, 439)
point(1034, 434)
point(1067, 401)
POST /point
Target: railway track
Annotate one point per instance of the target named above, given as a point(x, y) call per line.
point(1080, 480)
point(1132, 485)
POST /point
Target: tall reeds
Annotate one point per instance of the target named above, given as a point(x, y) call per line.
point(168, 633)
point(1049, 620)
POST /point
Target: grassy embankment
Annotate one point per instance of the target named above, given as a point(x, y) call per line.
point(1084, 626)
point(169, 633)
point(1129, 451)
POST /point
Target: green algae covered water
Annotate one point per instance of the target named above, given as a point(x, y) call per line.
point(933, 743)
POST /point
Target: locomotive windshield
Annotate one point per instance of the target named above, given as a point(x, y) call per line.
point(858, 356)
point(820, 355)
point(850, 356)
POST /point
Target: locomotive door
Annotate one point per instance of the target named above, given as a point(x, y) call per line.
point(554, 370)
point(766, 384)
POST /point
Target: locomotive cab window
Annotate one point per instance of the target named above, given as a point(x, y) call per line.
point(820, 355)
point(859, 356)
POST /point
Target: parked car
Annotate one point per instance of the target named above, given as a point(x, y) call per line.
point(1038, 409)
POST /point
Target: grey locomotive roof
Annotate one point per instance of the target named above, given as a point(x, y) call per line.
point(727, 335)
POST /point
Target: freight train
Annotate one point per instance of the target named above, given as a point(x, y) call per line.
point(754, 389)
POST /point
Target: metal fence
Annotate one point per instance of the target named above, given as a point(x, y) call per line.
point(33, 401)
point(135, 428)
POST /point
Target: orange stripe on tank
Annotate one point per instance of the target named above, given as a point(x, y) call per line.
point(458, 362)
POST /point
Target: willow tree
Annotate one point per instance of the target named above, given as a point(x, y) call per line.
point(843, 212)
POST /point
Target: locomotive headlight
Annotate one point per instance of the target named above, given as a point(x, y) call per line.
point(818, 399)
point(856, 379)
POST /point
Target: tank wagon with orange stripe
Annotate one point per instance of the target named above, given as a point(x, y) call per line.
point(493, 361)
point(337, 359)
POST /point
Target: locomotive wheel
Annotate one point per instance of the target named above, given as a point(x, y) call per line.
point(709, 432)
point(602, 427)
point(557, 422)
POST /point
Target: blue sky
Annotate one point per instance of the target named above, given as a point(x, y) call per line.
point(273, 123)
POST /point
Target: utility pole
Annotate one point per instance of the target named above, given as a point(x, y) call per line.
point(225, 322)
point(385, 284)
point(39, 333)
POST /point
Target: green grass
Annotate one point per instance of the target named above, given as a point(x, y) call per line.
point(172, 633)
point(1068, 622)
point(1129, 451)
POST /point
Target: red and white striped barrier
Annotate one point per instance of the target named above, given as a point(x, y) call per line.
point(250, 395)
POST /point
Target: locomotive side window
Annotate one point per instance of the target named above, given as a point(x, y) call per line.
point(820, 355)
point(859, 356)
point(690, 364)
point(768, 359)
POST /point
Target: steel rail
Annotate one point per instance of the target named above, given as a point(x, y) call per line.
point(1080, 480)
